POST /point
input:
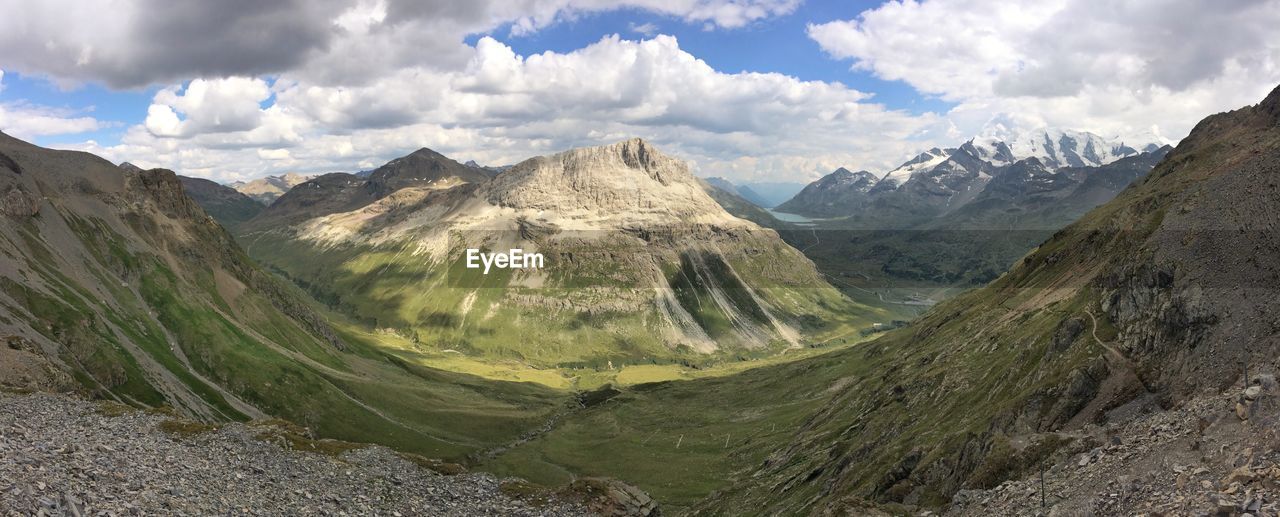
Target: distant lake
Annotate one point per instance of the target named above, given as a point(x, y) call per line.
point(791, 218)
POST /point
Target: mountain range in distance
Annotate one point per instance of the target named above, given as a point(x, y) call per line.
point(942, 180)
point(762, 194)
point(265, 190)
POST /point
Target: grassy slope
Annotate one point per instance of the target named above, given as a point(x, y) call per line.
point(727, 426)
point(390, 289)
point(262, 357)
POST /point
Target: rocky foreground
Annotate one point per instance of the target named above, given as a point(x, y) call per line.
point(64, 456)
point(1217, 455)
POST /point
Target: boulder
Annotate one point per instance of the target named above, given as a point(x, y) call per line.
point(17, 202)
point(613, 498)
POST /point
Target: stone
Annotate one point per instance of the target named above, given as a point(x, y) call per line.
point(1252, 392)
point(1240, 475)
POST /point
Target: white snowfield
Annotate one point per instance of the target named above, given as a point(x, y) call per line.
point(1055, 148)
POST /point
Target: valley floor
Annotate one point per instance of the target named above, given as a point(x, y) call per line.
point(65, 456)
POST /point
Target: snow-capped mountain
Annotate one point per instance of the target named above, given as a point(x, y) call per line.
point(941, 180)
point(924, 161)
point(1057, 148)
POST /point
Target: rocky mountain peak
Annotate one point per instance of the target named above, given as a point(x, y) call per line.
point(843, 177)
point(989, 150)
point(423, 166)
point(624, 178)
point(1270, 106)
point(130, 167)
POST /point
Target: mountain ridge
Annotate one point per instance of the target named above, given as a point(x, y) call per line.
point(920, 180)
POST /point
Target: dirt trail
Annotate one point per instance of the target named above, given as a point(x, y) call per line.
point(1113, 354)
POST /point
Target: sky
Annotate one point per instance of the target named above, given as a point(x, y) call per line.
point(751, 90)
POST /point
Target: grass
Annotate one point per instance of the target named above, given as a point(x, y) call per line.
point(682, 441)
point(185, 429)
point(448, 315)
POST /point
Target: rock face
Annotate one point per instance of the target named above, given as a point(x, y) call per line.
point(62, 456)
point(627, 179)
point(629, 236)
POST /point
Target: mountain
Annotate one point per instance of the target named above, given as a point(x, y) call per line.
point(735, 204)
point(832, 193)
point(342, 192)
point(773, 193)
point(1057, 148)
point(739, 193)
point(940, 180)
point(911, 238)
point(1031, 195)
point(423, 166)
point(487, 169)
point(267, 190)
point(744, 192)
point(924, 161)
point(225, 204)
point(1131, 353)
point(641, 265)
point(957, 217)
point(115, 284)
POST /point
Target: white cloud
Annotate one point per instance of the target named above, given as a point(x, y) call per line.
point(1110, 67)
point(133, 43)
point(502, 107)
point(208, 106)
point(27, 121)
point(647, 29)
point(332, 85)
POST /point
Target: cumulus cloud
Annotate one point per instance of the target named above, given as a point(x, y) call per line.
point(250, 88)
point(501, 107)
point(27, 121)
point(135, 43)
point(208, 106)
point(1111, 67)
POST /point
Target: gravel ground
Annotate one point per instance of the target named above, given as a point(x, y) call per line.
point(65, 456)
point(1204, 458)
